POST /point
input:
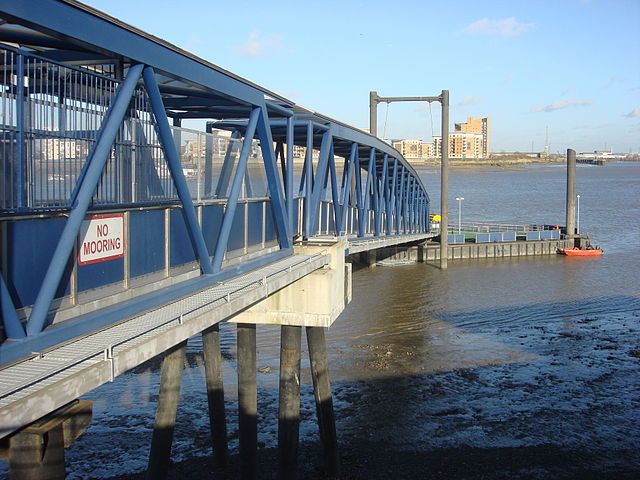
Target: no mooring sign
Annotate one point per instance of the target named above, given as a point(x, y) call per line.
point(101, 238)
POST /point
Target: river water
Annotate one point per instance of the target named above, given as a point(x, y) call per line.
point(495, 368)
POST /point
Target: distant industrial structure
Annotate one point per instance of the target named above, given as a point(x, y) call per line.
point(470, 139)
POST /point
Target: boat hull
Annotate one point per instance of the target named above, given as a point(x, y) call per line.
point(577, 252)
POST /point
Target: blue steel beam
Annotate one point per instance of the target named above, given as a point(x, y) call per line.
point(386, 198)
point(371, 174)
point(227, 166)
point(275, 186)
point(289, 173)
point(88, 28)
point(308, 178)
point(97, 158)
point(382, 194)
point(335, 196)
point(359, 196)
point(208, 160)
point(318, 184)
point(346, 187)
point(12, 326)
point(375, 196)
point(399, 201)
point(173, 161)
point(279, 151)
point(405, 202)
point(392, 193)
point(232, 201)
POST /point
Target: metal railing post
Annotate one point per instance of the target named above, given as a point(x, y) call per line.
point(21, 124)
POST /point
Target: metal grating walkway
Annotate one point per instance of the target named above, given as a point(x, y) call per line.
point(31, 387)
point(357, 245)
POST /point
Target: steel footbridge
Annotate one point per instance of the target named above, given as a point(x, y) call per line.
point(124, 234)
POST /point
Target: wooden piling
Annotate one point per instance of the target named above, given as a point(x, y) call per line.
point(324, 402)
point(215, 393)
point(289, 411)
point(247, 400)
point(170, 379)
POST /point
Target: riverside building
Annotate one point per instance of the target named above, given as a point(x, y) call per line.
point(469, 139)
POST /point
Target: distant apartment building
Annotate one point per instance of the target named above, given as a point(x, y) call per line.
point(301, 152)
point(461, 145)
point(413, 148)
point(60, 148)
point(479, 126)
point(469, 139)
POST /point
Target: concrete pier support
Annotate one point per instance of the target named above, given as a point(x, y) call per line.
point(314, 302)
point(289, 411)
point(36, 452)
point(571, 193)
point(36, 456)
point(247, 400)
point(324, 401)
point(368, 258)
point(215, 393)
point(170, 379)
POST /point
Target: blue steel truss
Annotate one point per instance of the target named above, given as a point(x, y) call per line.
point(86, 103)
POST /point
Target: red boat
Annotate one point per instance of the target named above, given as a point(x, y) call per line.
point(578, 252)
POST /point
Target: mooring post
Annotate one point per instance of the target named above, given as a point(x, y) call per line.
point(247, 400)
point(571, 193)
point(289, 412)
point(324, 401)
point(170, 379)
point(373, 113)
point(215, 393)
point(444, 181)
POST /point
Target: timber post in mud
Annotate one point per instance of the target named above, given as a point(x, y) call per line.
point(166, 411)
point(313, 302)
point(215, 393)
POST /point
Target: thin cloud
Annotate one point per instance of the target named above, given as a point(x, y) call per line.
point(508, 27)
point(578, 127)
point(508, 78)
point(257, 46)
point(569, 102)
point(469, 100)
point(425, 106)
point(612, 81)
point(633, 113)
point(566, 91)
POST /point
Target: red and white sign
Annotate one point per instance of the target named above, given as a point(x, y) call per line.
point(101, 238)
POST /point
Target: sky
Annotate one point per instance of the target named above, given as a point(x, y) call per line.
point(567, 67)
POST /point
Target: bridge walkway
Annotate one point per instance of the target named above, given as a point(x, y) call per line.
point(122, 233)
point(34, 386)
